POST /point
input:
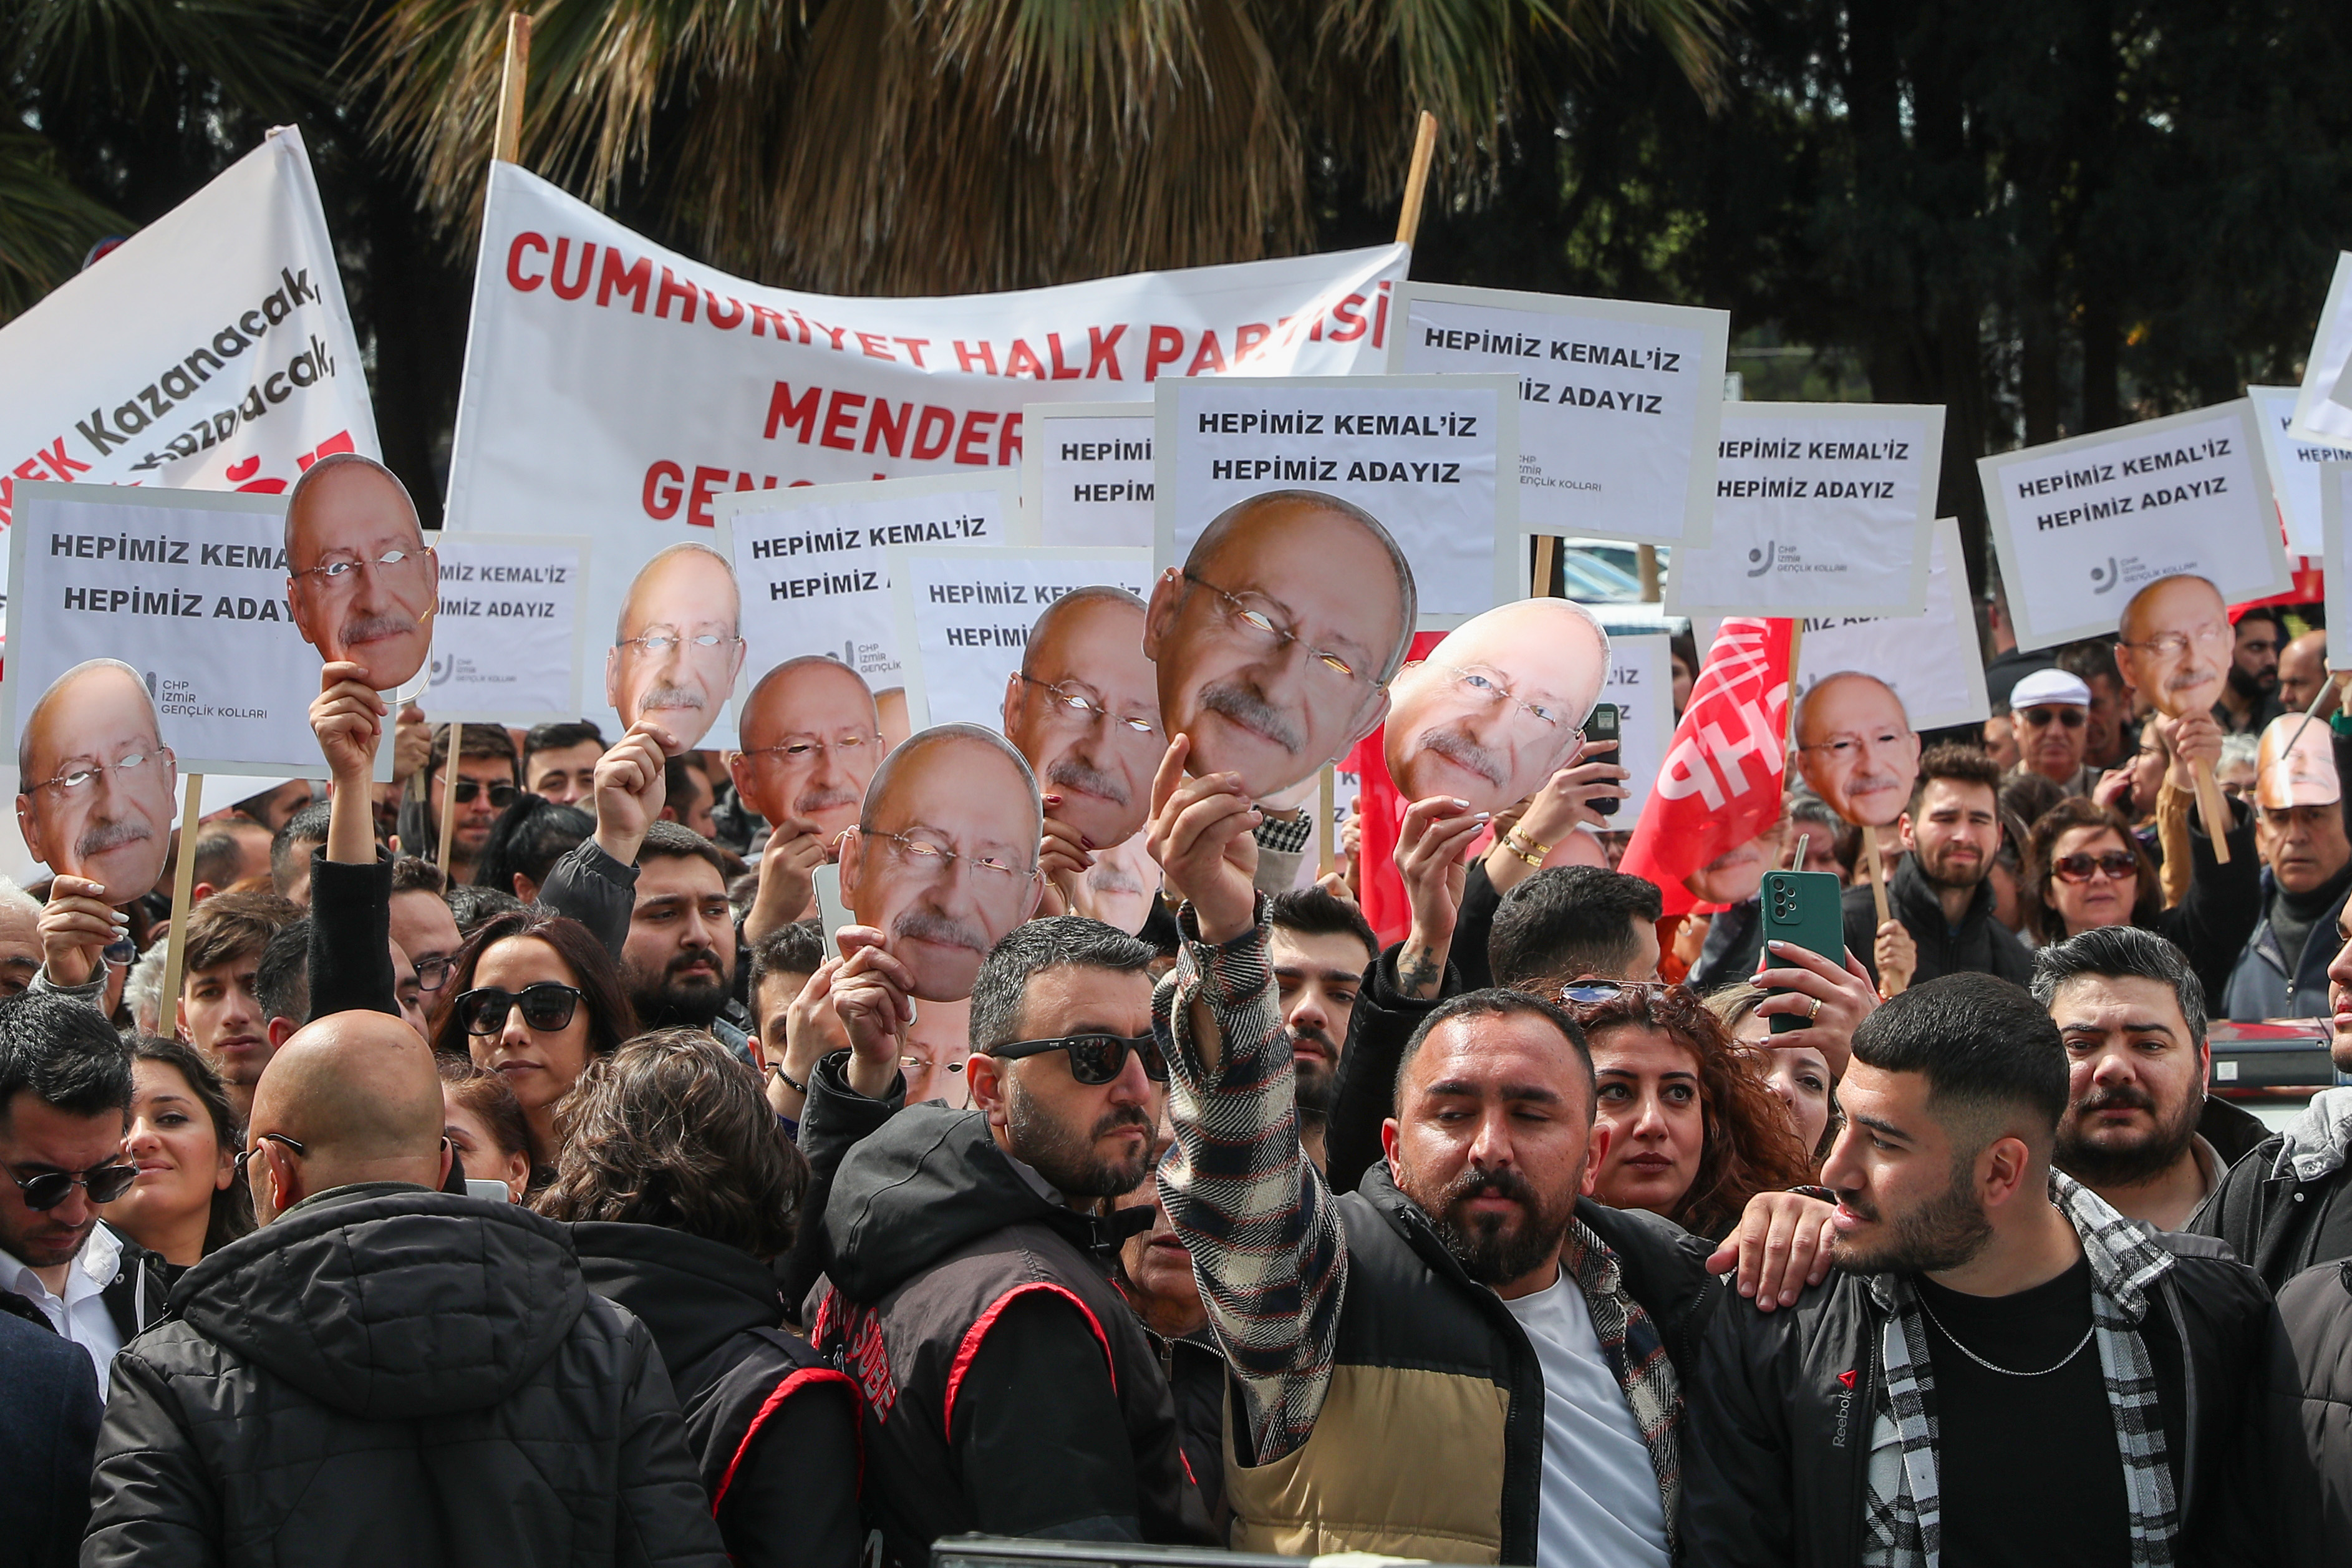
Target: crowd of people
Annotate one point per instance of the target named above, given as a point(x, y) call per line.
point(587, 1199)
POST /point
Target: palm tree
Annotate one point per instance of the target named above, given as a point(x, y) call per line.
point(935, 146)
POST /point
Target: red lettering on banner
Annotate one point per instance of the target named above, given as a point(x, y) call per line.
point(933, 431)
point(1248, 337)
point(54, 456)
point(966, 357)
point(915, 347)
point(761, 316)
point(1348, 313)
point(672, 289)
point(1024, 361)
point(743, 482)
point(834, 333)
point(1054, 352)
point(1008, 441)
point(840, 415)
point(578, 286)
point(975, 429)
point(1380, 321)
point(876, 346)
point(523, 242)
point(888, 424)
point(665, 485)
point(633, 281)
point(799, 413)
point(1102, 348)
point(727, 322)
point(1208, 356)
point(1166, 347)
point(707, 483)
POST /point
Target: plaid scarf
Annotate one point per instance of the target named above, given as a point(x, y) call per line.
point(1902, 1514)
point(1634, 1352)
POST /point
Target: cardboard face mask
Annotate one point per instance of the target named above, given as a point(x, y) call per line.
point(1271, 647)
point(2175, 644)
point(679, 644)
point(1857, 748)
point(812, 738)
point(361, 583)
point(1494, 710)
point(945, 861)
point(97, 780)
point(1084, 710)
point(2296, 765)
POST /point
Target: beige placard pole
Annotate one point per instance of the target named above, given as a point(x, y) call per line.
point(1416, 177)
point(1327, 832)
point(449, 800)
point(1547, 552)
point(183, 893)
point(1645, 563)
point(506, 139)
point(1875, 871)
point(2213, 809)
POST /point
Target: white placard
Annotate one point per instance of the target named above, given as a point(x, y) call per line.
point(964, 613)
point(1619, 401)
point(187, 587)
point(510, 641)
point(1821, 508)
point(2294, 467)
point(1087, 473)
point(2319, 414)
point(814, 568)
point(1933, 661)
point(2335, 511)
point(1434, 458)
point(1642, 683)
point(2079, 526)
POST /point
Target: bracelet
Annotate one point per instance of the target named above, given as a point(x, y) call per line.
point(790, 1083)
point(1510, 845)
point(1524, 844)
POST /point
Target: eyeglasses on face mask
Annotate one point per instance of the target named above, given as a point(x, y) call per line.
point(1094, 1059)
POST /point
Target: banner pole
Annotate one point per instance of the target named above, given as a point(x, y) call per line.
point(184, 892)
point(1645, 562)
point(1547, 552)
point(1416, 178)
point(505, 140)
point(449, 800)
point(1327, 832)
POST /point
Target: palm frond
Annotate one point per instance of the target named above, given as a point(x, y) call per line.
point(46, 224)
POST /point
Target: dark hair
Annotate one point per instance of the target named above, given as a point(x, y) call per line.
point(473, 907)
point(2080, 811)
point(530, 837)
point(2029, 794)
point(489, 1096)
point(1496, 1002)
point(64, 1052)
point(477, 741)
point(281, 986)
point(2260, 612)
point(559, 736)
point(1750, 1146)
point(675, 841)
point(1959, 763)
point(2122, 952)
point(220, 859)
point(1312, 912)
point(232, 1208)
point(1984, 1045)
point(795, 949)
point(672, 1129)
point(415, 874)
point(611, 1019)
point(2093, 658)
point(291, 846)
point(678, 775)
point(230, 926)
point(1567, 921)
point(1057, 942)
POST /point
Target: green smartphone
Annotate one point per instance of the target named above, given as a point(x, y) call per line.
point(1802, 908)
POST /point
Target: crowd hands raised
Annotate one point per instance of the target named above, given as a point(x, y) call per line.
point(591, 1199)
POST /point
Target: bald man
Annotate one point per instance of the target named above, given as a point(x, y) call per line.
point(361, 581)
point(678, 645)
point(1495, 710)
point(1084, 710)
point(2302, 670)
point(96, 779)
point(431, 1366)
point(944, 859)
point(1275, 644)
point(812, 738)
point(1857, 748)
point(2175, 644)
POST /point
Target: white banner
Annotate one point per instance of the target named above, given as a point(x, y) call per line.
point(2294, 467)
point(2336, 512)
point(212, 350)
point(508, 641)
point(1434, 458)
point(814, 564)
point(618, 389)
point(964, 616)
point(1618, 402)
point(1642, 683)
point(2079, 526)
point(1933, 661)
point(1087, 473)
point(1821, 508)
point(2320, 414)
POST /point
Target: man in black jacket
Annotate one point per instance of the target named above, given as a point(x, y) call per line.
point(1008, 1387)
point(384, 1373)
point(1940, 890)
point(2003, 1368)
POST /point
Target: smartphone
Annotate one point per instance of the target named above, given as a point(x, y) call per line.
point(1802, 908)
point(1603, 726)
point(831, 912)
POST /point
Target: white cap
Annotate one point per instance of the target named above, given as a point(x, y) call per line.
point(2045, 687)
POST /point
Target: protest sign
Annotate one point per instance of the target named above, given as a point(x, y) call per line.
point(2320, 414)
point(508, 642)
point(1642, 683)
point(1087, 473)
point(1933, 661)
point(2294, 467)
point(1619, 401)
point(2336, 512)
point(2079, 526)
point(1821, 508)
point(212, 350)
point(964, 615)
point(814, 561)
point(1434, 458)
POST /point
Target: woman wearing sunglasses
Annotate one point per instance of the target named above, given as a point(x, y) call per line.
point(2086, 869)
point(186, 1200)
point(536, 998)
point(1693, 1131)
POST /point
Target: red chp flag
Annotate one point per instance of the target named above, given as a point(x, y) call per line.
point(1720, 785)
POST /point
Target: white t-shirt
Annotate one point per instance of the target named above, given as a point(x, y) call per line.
point(1599, 1501)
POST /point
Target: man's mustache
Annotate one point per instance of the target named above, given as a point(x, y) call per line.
point(671, 697)
point(924, 924)
point(1462, 751)
point(1476, 1183)
point(1124, 1116)
point(818, 800)
point(1322, 1042)
point(1251, 709)
point(100, 836)
point(1076, 773)
point(691, 956)
point(2121, 1098)
point(1863, 782)
point(373, 629)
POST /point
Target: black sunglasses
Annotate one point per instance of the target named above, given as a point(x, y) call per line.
point(502, 796)
point(1094, 1059)
point(47, 1190)
point(547, 1007)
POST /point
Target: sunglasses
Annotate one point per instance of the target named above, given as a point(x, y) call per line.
point(1587, 992)
point(1094, 1059)
point(547, 1007)
point(2114, 864)
point(47, 1190)
point(502, 796)
point(2071, 718)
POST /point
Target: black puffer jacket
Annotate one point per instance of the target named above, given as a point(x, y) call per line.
point(2311, 1396)
point(388, 1375)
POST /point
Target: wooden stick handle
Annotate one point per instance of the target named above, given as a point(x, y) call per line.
point(183, 893)
point(1327, 831)
point(1875, 871)
point(449, 801)
point(2213, 809)
point(1546, 554)
point(514, 74)
point(1416, 177)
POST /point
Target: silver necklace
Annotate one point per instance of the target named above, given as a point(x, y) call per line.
point(2004, 1371)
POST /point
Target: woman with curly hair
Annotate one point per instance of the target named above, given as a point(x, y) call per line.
point(1798, 1075)
point(1694, 1133)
